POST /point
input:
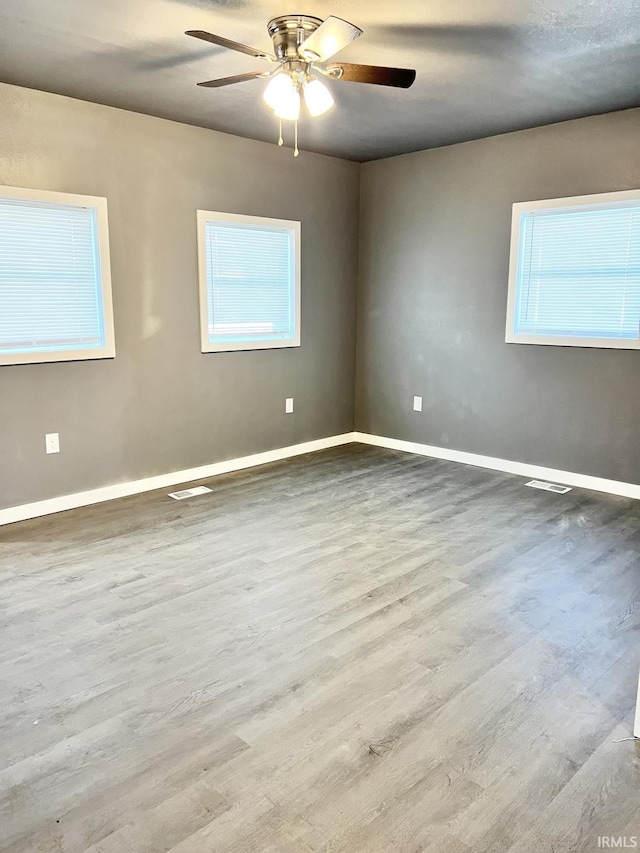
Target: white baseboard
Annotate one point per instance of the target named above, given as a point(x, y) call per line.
point(524, 469)
point(162, 481)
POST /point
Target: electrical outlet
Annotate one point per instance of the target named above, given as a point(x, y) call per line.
point(417, 404)
point(52, 442)
point(288, 405)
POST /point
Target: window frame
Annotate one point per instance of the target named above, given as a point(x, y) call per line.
point(520, 208)
point(99, 205)
point(205, 216)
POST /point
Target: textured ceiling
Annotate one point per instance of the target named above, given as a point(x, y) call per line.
point(484, 66)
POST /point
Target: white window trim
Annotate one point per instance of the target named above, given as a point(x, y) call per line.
point(205, 216)
point(519, 208)
point(99, 204)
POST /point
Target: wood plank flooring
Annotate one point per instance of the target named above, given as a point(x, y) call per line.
point(359, 650)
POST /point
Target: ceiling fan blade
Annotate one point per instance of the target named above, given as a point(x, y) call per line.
point(237, 78)
point(402, 78)
point(231, 45)
point(330, 37)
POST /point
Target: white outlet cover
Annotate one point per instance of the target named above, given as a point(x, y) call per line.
point(52, 442)
point(288, 405)
point(417, 404)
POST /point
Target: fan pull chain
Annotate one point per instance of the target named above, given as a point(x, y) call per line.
point(280, 139)
point(296, 152)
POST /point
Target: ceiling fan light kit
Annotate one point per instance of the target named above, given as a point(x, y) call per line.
point(283, 97)
point(318, 98)
point(302, 44)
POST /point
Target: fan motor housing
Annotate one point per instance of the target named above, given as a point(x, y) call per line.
point(289, 32)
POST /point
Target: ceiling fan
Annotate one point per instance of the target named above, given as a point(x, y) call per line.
point(302, 46)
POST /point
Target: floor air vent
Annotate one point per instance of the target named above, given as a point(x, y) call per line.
point(189, 493)
point(548, 487)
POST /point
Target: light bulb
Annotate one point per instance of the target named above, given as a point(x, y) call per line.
point(318, 97)
point(282, 96)
point(279, 86)
point(288, 107)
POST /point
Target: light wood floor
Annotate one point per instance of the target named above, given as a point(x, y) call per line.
point(359, 650)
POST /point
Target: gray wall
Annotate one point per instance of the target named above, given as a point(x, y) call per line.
point(434, 256)
point(162, 405)
point(434, 241)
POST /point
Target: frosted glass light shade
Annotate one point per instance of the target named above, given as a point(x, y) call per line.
point(279, 86)
point(289, 107)
point(317, 97)
point(282, 96)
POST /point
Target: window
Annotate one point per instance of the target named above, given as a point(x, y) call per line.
point(249, 282)
point(55, 280)
point(574, 278)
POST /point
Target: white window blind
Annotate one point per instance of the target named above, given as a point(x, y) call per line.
point(51, 280)
point(575, 272)
point(249, 282)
